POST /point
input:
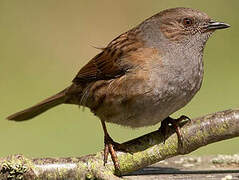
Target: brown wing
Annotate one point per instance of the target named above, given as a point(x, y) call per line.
point(111, 62)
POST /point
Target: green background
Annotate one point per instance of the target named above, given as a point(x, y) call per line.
point(44, 43)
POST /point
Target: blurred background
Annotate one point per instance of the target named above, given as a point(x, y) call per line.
point(44, 44)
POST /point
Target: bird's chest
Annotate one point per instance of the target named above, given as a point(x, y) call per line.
point(178, 83)
point(184, 80)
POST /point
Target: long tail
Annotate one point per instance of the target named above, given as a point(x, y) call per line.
point(39, 108)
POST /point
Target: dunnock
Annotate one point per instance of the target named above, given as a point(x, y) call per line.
point(142, 76)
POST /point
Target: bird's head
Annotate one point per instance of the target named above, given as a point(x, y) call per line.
point(181, 25)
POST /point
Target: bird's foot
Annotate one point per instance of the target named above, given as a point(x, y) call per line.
point(176, 124)
point(110, 148)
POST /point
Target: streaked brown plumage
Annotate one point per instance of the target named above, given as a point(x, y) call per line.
point(142, 76)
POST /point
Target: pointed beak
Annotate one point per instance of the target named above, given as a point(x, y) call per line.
point(213, 25)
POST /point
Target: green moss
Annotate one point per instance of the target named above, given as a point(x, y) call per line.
point(14, 170)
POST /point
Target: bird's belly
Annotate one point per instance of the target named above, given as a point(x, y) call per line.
point(144, 111)
point(143, 104)
point(139, 112)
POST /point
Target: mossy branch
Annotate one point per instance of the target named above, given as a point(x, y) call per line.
point(146, 150)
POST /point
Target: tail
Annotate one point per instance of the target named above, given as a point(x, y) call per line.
point(39, 108)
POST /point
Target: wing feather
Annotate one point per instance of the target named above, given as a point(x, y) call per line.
point(111, 62)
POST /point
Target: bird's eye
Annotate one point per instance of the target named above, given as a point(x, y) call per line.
point(187, 22)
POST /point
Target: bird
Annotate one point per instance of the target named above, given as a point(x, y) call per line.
point(142, 76)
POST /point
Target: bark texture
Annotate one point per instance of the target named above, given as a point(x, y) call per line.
point(146, 150)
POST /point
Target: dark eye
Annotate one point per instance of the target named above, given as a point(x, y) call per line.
point(187, 22)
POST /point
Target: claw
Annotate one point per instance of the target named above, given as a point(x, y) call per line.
point(183, 119)
point(176, 124)
point(111, 147)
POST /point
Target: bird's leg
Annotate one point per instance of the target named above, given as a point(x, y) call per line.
point(110, 147)
point(175, 123)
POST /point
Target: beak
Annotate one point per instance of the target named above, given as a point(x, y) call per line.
point(213, 25)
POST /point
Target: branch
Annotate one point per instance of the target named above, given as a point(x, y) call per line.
point(146, 150)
